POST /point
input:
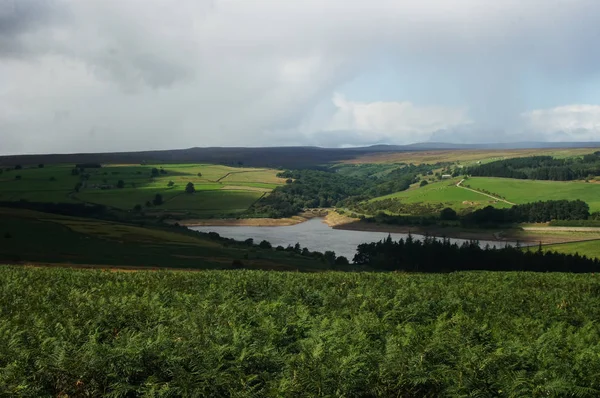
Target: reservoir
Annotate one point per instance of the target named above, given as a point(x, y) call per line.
point(315, 235)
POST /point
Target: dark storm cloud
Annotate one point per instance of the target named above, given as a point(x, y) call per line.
point(21, 17)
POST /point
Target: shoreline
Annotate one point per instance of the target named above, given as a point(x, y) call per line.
point(526, 235)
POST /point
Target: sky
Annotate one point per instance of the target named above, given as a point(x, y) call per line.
point(124, 75)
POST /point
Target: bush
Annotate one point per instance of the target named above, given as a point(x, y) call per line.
point(170, 184)
point(120, 184)
point(423, 183)
point(448, 214)
point(265, 245)
point(189, 188)
point(158, 200)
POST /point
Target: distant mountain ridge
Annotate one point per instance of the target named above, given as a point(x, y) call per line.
point(299, 156)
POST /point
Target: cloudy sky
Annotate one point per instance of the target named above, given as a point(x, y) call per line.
point(117, 75)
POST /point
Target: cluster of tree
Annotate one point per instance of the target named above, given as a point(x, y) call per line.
point(155, 172)
point(328, 256)
point(312, 188)
point(542, 211)
point(433, 255)
point(539, 168)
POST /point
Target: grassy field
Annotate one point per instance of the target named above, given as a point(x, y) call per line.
point(589, 248)
point(465, 157)
point(221, 190)
point(443, 194)
point(33, 237)
point(242, 333)
point(525, 191)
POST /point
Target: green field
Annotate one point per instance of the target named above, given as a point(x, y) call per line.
point(221, 190)
point(263, 334)
point(31, 237)
point(525, 191)
point(590, 248)
point(439, 195)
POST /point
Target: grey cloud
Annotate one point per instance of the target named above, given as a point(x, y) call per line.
point(155, 73)
point(26, 17)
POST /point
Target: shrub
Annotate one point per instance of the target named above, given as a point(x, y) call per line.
point(158, 200)
point(265, 245)
point(189, 188)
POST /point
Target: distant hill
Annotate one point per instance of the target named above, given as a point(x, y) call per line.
point(268, 156)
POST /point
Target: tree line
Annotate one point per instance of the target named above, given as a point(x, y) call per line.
point(536, 212)
point(542, 211)
point(435, 255)
point(539, 168)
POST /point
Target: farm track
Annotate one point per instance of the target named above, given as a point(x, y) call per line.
point(481, 193)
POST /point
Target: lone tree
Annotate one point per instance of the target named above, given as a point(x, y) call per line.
point(137, 208)
point(189, 188)
point(158, 200)
point(199, 174)
point(120, 184)
point(78, 186)
point(170, 184)
point(154, 172)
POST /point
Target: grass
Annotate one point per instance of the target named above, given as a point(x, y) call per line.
point(214, 202)
point(525, 191)
point(33, 237)
point(242, 333)
point(465, 157)
point(221, 190)
point(588, 248)
point(445, 194)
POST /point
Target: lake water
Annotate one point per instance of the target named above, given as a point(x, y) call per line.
point(315, 235)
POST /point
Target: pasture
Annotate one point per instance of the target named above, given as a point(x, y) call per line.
point(249, 333)
point(442, 194)
point(220, 190)
point(464, 156)
point(589, 248)
point(526, 191)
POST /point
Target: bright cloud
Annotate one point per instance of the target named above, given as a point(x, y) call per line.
point(580, 122)
point(395, 121)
